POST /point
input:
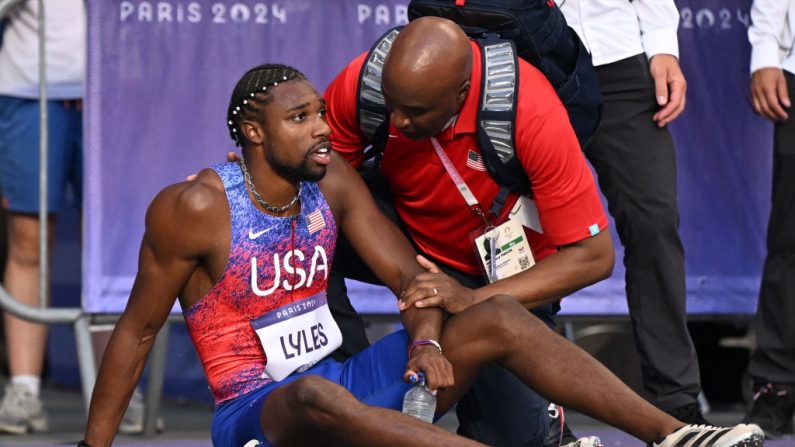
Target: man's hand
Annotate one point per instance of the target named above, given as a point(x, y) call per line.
point(769, 93)
point(669, 88)
point(437, 369)
point(436, 289)
point(230, 157)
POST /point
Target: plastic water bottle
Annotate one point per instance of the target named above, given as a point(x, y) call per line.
point(419, 402)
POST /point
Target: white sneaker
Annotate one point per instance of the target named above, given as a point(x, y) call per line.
point(590, 441)
point(21, 411)
point(133, 421)
point(740, 435)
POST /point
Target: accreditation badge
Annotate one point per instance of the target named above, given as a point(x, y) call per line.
point(297, 335)
point(504, 251)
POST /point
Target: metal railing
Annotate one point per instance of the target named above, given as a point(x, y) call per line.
point(80, 320)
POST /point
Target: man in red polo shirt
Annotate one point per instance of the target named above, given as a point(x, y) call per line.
point(442, 193)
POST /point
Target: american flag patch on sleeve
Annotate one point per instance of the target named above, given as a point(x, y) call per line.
point(475, 161)
point(315, 221)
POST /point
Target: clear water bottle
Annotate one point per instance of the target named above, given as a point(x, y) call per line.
point(419, 402)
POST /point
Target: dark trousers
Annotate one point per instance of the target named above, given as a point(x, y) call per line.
point(774, 323)
point(636, 166)
point(498, 409)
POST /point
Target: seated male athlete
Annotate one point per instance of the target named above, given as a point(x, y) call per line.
point(247, 248)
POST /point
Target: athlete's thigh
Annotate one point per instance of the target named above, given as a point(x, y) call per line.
point(238, 422)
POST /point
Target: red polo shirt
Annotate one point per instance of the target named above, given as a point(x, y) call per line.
point(428, 201)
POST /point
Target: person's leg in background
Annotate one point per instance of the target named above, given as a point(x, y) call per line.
point(21, 409)
point(636, 165)
point(773, 362)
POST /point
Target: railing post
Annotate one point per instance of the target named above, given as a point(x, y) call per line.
point(85, 357)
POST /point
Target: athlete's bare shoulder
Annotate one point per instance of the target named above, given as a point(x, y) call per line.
point(345, 190)
point(187, 216)
point(336, 184)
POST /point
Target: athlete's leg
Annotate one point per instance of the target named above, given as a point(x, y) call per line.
point(315, 411)
point(499, 330)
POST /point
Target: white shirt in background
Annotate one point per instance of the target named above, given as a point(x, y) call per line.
point(771, 34)
point(65, 25)
point(617, 29)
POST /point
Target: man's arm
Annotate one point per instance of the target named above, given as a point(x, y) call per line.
point(572, 268)
point(388, 253)
point(769, 93)
point(659, 20)
point(172, 246)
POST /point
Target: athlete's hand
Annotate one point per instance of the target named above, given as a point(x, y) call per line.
point(230, 157)
point(437, 369)
point(436, 289)
point(769, 93)
point(669, 87)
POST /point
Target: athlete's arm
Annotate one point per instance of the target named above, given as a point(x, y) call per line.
point(389, 255)
point(175, 240)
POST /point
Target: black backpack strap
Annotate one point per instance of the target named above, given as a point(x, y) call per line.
point(370, 111)
point(496, 118)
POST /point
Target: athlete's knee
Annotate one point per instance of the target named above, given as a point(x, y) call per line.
point(502, 316)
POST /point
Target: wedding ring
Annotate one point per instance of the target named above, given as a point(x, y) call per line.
point(435, 292)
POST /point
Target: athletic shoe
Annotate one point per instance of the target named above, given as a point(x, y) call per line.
point(559, 433)
point(590, 441)
point(133, 421)
point(740, 435)
point(689, 414)
point(21, 411)
point(773, 408)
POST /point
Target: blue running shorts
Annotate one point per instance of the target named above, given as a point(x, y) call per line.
point(19, 153)
point(374, 376)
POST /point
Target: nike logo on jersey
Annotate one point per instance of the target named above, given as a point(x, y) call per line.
point(252, 235)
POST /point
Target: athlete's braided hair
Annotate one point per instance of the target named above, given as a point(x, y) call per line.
point(252, 94)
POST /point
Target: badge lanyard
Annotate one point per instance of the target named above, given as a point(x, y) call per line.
point(471, 201)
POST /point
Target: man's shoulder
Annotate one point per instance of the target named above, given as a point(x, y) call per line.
point(347, 81)
point(190, 203)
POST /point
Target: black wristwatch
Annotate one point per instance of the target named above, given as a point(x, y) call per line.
point(83, 443)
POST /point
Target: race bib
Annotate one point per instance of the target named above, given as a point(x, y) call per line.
point(504, 251)
point(297, 335)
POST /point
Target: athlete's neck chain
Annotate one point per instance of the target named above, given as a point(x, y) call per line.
point(260, 200)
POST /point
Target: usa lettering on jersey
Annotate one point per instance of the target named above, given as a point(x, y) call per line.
point(287, 263)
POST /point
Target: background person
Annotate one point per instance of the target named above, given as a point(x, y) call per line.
point(772, 79)
point(635, 51)
point(21, 408)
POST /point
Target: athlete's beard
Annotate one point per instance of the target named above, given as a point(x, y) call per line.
point(303, 171)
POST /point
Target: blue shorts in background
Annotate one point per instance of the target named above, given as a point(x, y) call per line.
point(19, 153)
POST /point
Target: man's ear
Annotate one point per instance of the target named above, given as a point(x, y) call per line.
point(252, 132)
point(463, 91)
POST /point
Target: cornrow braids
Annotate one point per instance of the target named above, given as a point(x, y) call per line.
point(252, 94)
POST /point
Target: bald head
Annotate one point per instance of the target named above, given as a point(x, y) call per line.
point(430, 48)
point(426, 76)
